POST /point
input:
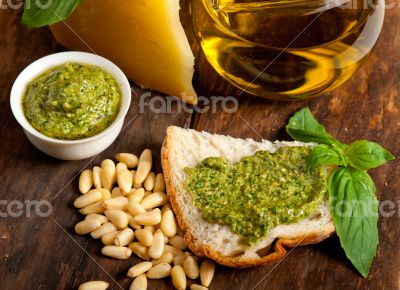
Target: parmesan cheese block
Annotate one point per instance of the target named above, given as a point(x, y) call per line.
point(144, 37)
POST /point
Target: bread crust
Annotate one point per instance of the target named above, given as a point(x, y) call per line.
point(277, 253)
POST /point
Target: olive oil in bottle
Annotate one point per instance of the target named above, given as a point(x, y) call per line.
point(287, 49)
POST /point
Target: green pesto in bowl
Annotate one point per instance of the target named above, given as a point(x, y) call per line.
point(72, 101)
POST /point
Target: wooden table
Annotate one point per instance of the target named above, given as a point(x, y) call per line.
point(45, 253)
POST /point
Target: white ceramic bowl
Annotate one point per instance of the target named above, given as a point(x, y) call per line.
point(66, 149)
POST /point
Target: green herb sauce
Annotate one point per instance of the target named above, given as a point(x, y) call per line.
point(72, 101)
point(257, 193)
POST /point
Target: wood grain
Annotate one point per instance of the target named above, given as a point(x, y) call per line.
point(44, 253)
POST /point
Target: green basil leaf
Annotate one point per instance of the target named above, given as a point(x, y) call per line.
point(303, 127)
point(354, 210)
point(365, 155)
point(325, 155)
point(38, 13)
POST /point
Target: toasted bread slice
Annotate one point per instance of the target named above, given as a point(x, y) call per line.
point(186, 148)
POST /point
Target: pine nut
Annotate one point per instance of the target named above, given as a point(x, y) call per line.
point(178, 260)
point(85, 181)
point(178, 278)
point(159, 184)
point(108, 239)
point(157, 247)
point(125, 237)
point(136, 195)
point(154, 200)
point(166, 207)
point(119, 202)
point(207, 270)
point(105, 193)
point(120, 166)
point(129, 159)
point(194, 257)
point(174, 251)
point(104, 229)
point(136, 185)
point(159, 271)
point(150, 218)
point(165, 258)
point(96, 207)
point(149, 181)
point(144, 236)
point(168, 224)
point(118, 217)
point(139, 250)
point(94, 285)
point(97, 217)
point(97, 177)
point(116, 252)
point(125, 179)
point(132, 223)
point(197, 287)
point(144, 166)
point(139, 269)
point(178, 242)
point(151, 229)
point(107, 162)
point(86, 226)
point(191, 268)
point(107, 177)
point(135, 208)
point(139, 283)
point(116, 192)
point(88, 198)
point(166, 240)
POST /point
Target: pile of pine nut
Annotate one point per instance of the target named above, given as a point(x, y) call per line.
point(137, 209)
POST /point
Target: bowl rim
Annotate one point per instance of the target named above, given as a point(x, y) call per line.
point(42, 65)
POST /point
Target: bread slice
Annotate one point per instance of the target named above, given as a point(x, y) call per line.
point(186, 148)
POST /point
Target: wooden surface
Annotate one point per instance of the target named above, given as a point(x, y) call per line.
point(44, 253)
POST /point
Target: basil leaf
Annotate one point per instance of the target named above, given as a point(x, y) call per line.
point(365, 155)
point(325, 155)
point(38, 13)
point(303, 127)
point(354, 209)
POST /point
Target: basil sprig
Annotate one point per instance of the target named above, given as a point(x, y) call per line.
point(365, 155)
point(38, 13)
point(303, 127)
point(326, 155)
point(354, 210)
point(352, 199)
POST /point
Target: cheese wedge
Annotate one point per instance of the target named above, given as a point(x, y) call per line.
point(144, 37)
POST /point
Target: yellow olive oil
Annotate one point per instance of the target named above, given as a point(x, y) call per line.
point(287, 49)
